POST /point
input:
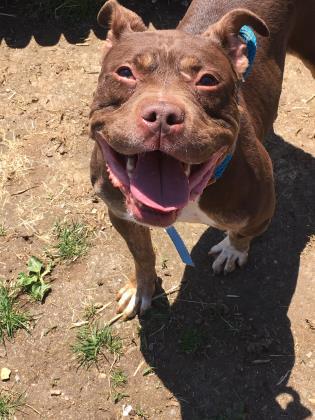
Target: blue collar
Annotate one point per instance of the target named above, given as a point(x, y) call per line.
point(248, 36)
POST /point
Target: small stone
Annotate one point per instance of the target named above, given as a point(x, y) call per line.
point(309, 354)
point(5, 374)
point(55, 392)
point(312, 400)
point(127, 409)
point(102, 375)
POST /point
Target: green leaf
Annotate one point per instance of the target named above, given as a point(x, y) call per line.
point(35, 265)
point(148, 370)
point(46, 271)
point(118, 396)
point(39, 291)
point(24, 280)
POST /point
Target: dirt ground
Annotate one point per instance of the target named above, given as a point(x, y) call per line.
point(250, 347)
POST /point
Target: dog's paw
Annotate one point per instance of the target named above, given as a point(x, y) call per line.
point(132, 300)
point(227, 257)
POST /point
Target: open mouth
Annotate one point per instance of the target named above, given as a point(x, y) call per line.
point(156, 185)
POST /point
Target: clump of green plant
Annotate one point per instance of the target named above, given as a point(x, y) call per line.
point(33, 282)
point(118, 396)
point(90, 311)
point(91, 340)
point(148, 371)
point(9, 403)
point(11, 319)
point(140, 412)
point(72, 240)
point(118, 378)
point(190, 340)
point(3, 230)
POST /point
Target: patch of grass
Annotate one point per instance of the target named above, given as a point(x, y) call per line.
point(190, 340)
point(11, 319)
point(90, 311)
point(33, 282)
point(118, 378)
point(9, 403)
point(90, 342)
point(3, 230)
point(148, 371)
point(140, 412)
point(72, 240)
point(118, 396)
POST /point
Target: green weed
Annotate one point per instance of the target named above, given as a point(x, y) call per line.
point(72, 240)
point(9, 403)
point(33, 282)
point(90, 311)
point(118, 378)
point(140, 412)
point(91, 340)
point(11, 319)
point(3, 230)
point(118, 396)
point(148, 371)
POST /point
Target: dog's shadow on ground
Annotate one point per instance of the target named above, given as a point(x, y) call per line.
point(224, 348)
point(45, 23)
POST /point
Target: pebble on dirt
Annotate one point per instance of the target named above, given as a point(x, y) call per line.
point(5, 374)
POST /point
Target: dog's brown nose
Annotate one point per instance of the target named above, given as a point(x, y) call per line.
point(163, 116)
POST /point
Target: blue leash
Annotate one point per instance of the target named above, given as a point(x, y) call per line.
point(175, 236)
point(247, 34)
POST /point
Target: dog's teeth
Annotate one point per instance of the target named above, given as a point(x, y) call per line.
point(187, 169)
point(130, 165)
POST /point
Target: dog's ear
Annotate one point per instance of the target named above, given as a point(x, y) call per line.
point(119, 19)
point(226, 32)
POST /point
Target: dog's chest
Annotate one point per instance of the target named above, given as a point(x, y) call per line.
point(192, 213)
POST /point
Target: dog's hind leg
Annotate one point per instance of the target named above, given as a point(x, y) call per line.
point(302, 38)
point(137, 294)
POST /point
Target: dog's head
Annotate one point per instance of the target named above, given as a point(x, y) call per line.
point(165, 111)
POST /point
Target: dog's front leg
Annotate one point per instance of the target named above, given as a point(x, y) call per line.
point(137, 294)
point(233, 250)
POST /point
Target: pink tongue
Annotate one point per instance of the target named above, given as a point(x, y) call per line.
point(159, 182)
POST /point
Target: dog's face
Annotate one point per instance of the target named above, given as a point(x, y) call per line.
point(165, 111)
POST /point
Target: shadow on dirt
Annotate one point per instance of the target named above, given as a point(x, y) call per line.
point(225, 347)
point(21, 21)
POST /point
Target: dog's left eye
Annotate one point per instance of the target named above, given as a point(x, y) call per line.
point(207, 80)
point(125, 72)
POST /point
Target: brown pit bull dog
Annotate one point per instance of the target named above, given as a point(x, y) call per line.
point(170, 106)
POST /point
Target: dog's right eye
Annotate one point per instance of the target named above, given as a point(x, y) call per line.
point(207, 80)
point(125, 72)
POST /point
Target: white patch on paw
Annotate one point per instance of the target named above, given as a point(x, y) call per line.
point(130, 301)
point(227, 257)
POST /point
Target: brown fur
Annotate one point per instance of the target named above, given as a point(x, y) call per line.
point(235, 116)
